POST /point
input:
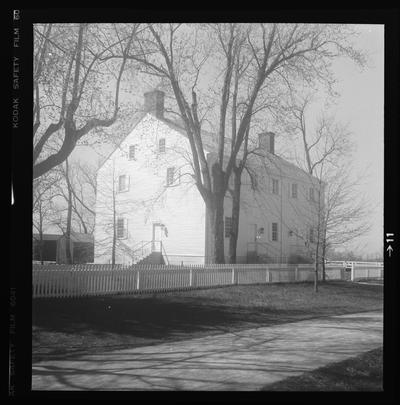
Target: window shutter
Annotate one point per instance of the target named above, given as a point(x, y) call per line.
point(125, 227)
point(120, 232)
point(161, 145)
point(128, 183)
point(270, 231)
point(278, 186)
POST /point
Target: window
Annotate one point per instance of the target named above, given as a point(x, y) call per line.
point(161, 145)
point(228, 226)
point(274, 235)
point(312, 196)
point(254, 181)
point(132, 150)
point(123, 183)
point(170, 175)
point(294, 190)
point(275, 186)
point(312, 239)
point(122, 228)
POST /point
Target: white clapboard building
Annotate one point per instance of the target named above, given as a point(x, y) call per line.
point(149, 208)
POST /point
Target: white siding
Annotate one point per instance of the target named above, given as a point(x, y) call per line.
point(262, 208)
point(182, 209)
point(148, 200)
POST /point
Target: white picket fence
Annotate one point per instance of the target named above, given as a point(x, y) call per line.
point(366, 270)
point(94, 280)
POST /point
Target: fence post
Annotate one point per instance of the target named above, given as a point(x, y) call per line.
point(233, 275)
point(352, 271)
point(296, 273)
point(266, 274)
point(137, 280)
point(190, 277)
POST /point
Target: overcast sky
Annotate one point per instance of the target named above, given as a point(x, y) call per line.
point(360, 104)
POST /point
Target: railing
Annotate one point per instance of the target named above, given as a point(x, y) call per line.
point(358, 270)
point(347, 263)
point(164, 253)
point(128, 250)
point(143, 249)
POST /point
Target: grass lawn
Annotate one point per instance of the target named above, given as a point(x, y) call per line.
point(361, 373)
point(69, 327)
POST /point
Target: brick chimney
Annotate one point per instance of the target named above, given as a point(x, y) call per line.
point(266, 141)
point(154, 103)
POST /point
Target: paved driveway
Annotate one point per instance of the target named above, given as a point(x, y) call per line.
point(246, 360)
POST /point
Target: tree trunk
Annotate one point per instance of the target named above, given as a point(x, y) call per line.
point(217, 230)
point(323, 253)
point(68, 252)
point(114, 240)
point(316, 274)
point(41, 234)
point(233, 238)
point(215, 205)
point(316, 266)
point(41, 248)
point(69, 221)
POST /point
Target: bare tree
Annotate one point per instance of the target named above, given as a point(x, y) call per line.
point(110, 205)
point(340, 211)
point(73, 196)
point(180, 54)
point(63, 189)
point(43, 207)
point(346, 211)
point(72, 73)
point(83, 193)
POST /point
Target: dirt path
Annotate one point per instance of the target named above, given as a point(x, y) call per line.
point(246, 360)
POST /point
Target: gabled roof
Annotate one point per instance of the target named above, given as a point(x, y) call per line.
point(286, 168)
point(208, 138)
point(210, 143)
point(136, 121)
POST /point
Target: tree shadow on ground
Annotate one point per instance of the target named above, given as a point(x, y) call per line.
point(72, 327)
point(225, 363)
